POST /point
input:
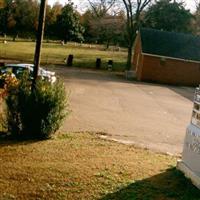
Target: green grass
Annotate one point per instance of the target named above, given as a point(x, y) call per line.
point(83, 166)
point(54, 53)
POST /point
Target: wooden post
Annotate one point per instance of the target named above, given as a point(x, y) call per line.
point(40, 34)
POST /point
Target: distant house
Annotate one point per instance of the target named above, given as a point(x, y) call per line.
point(167, 57)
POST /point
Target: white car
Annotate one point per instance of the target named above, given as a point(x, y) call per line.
point(18, 69)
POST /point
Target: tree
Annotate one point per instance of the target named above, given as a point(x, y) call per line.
point(19, 17)
point(25, 15)
point(68, 24)
point(86, 19)
point(51, 17)
point(168, 15)
point(196, 21)
point(107, 29)
point(101, 7)
point(104, 23)
point(5, 15)
point(2, 3)
point(133, 9)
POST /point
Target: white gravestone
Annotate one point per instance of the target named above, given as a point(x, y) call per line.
point(190, 163)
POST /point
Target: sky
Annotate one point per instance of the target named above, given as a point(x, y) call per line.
point(80, 3)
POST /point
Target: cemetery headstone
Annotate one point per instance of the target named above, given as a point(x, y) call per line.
point(110, 65)
point(70, 60)
point(98, 63)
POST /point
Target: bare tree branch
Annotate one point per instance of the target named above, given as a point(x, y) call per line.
point(133, 8)
point(101, 7)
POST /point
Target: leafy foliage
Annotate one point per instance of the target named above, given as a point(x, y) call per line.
point(196, 20)
point(20, 18)
point(69, 24)
point(35, 114)
point(2, 3)
point(51, 18)
point(169, 16)
point(5, 15)
point(108, 29)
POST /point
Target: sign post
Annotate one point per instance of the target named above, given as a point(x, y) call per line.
point(190, 163)
point(40, 33)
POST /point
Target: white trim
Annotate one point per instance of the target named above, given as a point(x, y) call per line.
point(179, 59)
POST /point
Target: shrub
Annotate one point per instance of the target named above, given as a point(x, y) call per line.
point(2, 113)
point(6, 78)
point(36, 114)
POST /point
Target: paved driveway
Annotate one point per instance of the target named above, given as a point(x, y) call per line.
point(148, 115)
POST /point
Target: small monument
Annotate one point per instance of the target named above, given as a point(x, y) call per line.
point(70, 60)
point(98, 63)
point(110, 65)
point(190, 163)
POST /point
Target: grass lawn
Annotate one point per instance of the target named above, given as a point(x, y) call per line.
point(82, 166)
point(55, 53)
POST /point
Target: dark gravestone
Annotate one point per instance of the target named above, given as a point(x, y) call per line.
point(110, 65)
point(70, 60)
point(98, 63)
point(2, 64)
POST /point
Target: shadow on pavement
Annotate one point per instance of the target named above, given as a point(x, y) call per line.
point(168, 185)
point(91, 74)
point(186, 92)
point(105, 76)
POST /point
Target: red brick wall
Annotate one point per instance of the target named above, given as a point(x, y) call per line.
point(169, 71)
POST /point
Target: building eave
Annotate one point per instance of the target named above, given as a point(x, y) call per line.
point(172, 58)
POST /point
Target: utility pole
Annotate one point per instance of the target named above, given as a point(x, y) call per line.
point(40, 34)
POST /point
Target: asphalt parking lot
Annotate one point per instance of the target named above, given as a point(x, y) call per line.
point(148, 115)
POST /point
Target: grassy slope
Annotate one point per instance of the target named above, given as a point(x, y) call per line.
point(53, 53)
point(82, 166)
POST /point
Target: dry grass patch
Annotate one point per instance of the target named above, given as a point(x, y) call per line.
point(82, 166)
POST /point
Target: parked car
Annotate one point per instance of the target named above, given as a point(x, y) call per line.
point(18, 69)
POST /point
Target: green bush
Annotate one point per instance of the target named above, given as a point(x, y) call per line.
point(36, 114)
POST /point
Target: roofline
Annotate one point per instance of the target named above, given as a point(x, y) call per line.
point(172, 58)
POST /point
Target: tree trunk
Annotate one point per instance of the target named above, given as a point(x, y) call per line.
point(129, 58)
point(131, 38)
point(107, 44)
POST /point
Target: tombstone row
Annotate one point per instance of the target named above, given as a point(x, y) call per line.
point(98, 64)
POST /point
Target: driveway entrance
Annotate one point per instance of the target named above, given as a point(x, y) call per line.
point(148, 115)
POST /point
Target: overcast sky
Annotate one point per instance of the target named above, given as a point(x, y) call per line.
point(80, 3)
